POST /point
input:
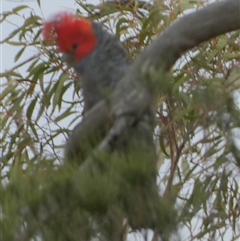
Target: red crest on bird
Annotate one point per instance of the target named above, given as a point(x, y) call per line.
point(72, 34)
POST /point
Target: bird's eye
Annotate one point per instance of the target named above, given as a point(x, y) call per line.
point(74, 47)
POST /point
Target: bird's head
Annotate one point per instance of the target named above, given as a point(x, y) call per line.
point(74, 36)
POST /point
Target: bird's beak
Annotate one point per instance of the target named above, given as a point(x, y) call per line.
point(68, 58)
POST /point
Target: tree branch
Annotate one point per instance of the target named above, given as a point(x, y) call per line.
point(133, 92)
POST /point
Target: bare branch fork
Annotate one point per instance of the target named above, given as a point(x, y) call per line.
point(136, 92)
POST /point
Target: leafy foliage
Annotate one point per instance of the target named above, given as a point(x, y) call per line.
point(196, 134)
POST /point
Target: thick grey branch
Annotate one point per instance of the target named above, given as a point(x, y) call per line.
point(134, 94)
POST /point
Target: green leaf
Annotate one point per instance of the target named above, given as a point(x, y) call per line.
point(11, 35)
point(39, 3)
point(65, 114)
point(13, 43)
point(20, 52)
point(36, 134)
point(120, 26)
point(32, 20)
point(37, 72)
point(162, 145)
point(59, 91)
point(30, 108)
point(19, 8)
